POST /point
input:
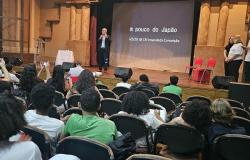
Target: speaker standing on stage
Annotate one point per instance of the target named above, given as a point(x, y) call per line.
point(103, 45)
point(247, 63)
point(235, 58)
point(226, 52)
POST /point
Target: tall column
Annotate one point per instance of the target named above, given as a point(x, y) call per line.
point(222, 24)
point(204, 23)
point(72, 34)
point(85, 22)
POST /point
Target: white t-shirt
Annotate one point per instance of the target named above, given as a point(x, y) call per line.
point(247, 58)
point(25, 150)
point(53, 127)
point(236, 49)
point(123, 84)
point(64, 157)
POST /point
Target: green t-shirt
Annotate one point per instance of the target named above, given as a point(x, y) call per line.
point(172, 89)
point(90, 126)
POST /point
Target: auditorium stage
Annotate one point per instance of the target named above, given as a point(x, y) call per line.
point(161, 77)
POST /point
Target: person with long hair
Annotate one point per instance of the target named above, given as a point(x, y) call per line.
point(235, 58)
point(226, 52)
point(11, 122)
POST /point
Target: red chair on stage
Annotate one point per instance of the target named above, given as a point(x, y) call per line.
point(197, 63)
point(203, 75)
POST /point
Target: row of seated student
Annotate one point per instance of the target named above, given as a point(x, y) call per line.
point(212, 120)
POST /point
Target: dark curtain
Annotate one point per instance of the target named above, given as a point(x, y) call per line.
point(92, 36)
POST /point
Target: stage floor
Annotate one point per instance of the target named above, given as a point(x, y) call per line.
point(161, 77)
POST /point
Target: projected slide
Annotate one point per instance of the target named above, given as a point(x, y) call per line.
point(152, 35)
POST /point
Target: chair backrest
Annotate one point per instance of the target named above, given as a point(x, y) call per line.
point(41, 139)
point(146, 157)
point(122, 96)
point(107, 93)
point(201, 98)
point(168, 104)
point(235, 103)
point(241, 113)
point(198, 62)
point(85, 149)
point(177, 99)
point(110, 106)
point(242, 122)
point(74, 110)
point(232, 147)
point(73, 100)
point(59, 98)
point(120, 90)
point(136, 126)
point(101, 86)
point(154, 106)
point(148, 92)
point(180, 139)
point(211, 63)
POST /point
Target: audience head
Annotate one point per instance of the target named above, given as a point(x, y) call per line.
point(197, 113)
point(58, 73)
point(124, 78)
point(222, 111)
point(144, 78)
point(174, 80)
point(9, 67)
point(5, 87)
point(42, 96)
point(28, 78)
point(90, 100)
point(135, 102)
point(11, 116)
point(85, 80)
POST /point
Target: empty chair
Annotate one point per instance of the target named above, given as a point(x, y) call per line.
point(180, 140)
point(242, 122)
point(201, 98)
point(120, 90)
point(73, 100)
point(241, 113)
point(101, 86)
point(74, 110)
point(146, 157)
point(110, 106)
point(168, 104)
point(108, 94)
point(232, 147)
point(197, 63)
point(41, 139)
point(177, 99)
point(136, 126)
point(59, 99)
point(85, 149)
point(235, 103)
point(148, 92)
point(122, 96)
point(208, 71)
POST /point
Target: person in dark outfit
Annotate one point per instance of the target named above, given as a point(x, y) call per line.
point(226, 52)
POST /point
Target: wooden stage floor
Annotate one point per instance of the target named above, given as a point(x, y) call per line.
point(161, 77)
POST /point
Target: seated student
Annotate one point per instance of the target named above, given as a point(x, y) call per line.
point(172, 87)
point(11, 122)
point(137, 103)
point(196, 114)
point(90, 125)
point(145, 84)
point(124, 83)
point(42, 99)
point(13, 77)
point(222, 120)
point(76, 70)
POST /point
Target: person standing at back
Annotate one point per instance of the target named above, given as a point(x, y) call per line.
point(172, 87)
point(103, 47)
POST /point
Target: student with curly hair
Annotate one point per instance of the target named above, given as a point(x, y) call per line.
point(11, 122)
